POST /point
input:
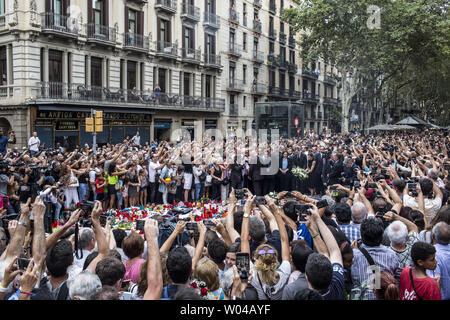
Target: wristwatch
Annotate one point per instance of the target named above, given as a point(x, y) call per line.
point(246, 215)
point(22, 224)
point(235, 298)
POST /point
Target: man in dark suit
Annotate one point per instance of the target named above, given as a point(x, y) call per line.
point(254, 175)
point(300, 160)
point(336, 168)
point(285, 173)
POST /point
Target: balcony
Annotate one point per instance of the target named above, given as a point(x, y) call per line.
point(190, 12)
point(329, 80)
point(282, 64)
point(291, 42)
point(259, 89)
point(135, 42)
point(292, 68)
point(234, 110)
point(235, 85)
point(166, 49)
point(310, 74)
point(319, 115)
point(79, 94)
point(274, 91)
point(257, 3)
point(59, 25)
point(233, 17)
point(310, 97)
point(212, 61)
point(234, 49)
point(282, 38)
point(272, 7)
point(297, 95)
point(258, 56)
point(272, 61)
point(210, 20)
point(257, 26)
point(169, 6)
point(284, 92)
point(190, 55)
point(330, 101)
point(101, 34)
point(272, 33)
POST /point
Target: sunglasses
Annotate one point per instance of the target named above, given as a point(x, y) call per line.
point(270, 251)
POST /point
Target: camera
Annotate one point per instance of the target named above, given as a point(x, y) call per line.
point(191, 226)
point(239, 193)
point(301, 209)
point(322, 204)
point(356, 184)
point(384, 172)
point(412, 186)
point(87, 207)
point(260, 201)
point(372, 185)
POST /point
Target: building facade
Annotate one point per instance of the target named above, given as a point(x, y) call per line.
point(152, 66)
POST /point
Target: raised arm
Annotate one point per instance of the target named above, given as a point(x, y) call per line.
point(283, 233)
point(154, 272)
point(230, 217)
point(200, 244)
point(38, 246)
point(245, 245)
point(328, 238)
point(103, 245)
point(316, 238)
point(269, 216)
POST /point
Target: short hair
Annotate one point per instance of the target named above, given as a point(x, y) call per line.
point(372, 232)
point(59, 258)
point(207, 271)
point(426, 185)
point(86, 236)
point(300, 255)
point(115, 254)
point(227, 281)
point(217, 250)
point(108, 293)
point(441, 233)
point(186, 293)
point(119, 235)
point(235, 247)
point(210, 236)
point(91, 256)
point(343, 212)
point(289, 210)
point(110, 270)
point(397, 232)
point(433, 174)
point(308, 294)
point(133, 245)
point(319, 271)
point(421, 251)
point(359, 212)
point(179, 265)
point(238, 216)
point(388, 287)
point(399, 184)
point(257, 229)
point(85, 285)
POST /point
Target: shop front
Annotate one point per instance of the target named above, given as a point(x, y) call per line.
point(162, 128)
point(286, 117)
point(67, 127)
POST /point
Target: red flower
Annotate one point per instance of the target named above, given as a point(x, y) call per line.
point(55, 224)
point(194, 285)
point(203, 291)
point(197, 219)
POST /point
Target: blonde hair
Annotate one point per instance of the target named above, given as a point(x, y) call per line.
point(208, 272)
point(267, 265)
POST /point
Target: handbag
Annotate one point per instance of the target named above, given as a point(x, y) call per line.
point(202, 177)
point(412, 283)
point(225, 181)
point(208, 178)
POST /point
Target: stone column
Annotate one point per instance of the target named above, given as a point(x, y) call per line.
point(105, 79)
point(138, 76)
point(88, 70)
point(46, 70)
point(9, 64)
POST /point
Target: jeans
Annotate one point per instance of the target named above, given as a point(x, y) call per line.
point(119, 199)
point(58, 207)
point(32, 153)
point(153, 186)
point(199, 190)
point(83, 191)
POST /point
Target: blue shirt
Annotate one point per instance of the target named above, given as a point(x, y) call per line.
point(3, 143)
point(442, 269)
point(304, 234)
point(351, 231)
point(284, 164)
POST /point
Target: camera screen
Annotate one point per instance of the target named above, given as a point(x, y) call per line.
point(243, 265)
point(191, 226)
point(22, 263)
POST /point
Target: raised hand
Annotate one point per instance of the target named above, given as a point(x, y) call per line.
point(151, 229)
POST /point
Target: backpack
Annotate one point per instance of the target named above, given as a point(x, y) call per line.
point(360, 292)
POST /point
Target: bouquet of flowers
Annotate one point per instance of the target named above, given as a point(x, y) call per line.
point(300, 173)
point(202, 290)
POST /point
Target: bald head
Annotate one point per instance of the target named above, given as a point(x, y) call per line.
point(359, 212)
point(441, 233)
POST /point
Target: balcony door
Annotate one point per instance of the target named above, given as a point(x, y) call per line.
point(210, 6)
point(96, 77)
point(98, 15)
point(55, 76)
point(187, 84)
point(188, 42)
point(164, 38)
point(210, 46)
point(56, 10)
point(208, 86)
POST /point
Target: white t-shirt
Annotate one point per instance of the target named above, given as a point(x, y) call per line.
point(152, 171)
point(274, 292)
point(92, 178)
point(136, 140)
point(432, 206)
point(34, 143)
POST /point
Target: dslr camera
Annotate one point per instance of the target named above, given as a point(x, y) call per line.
point(239, 193)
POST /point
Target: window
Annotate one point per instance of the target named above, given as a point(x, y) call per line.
point(232, 72)
point(55, 66)
point(271, 28)
point(232, 36)
point(244, 41)
point(245, 102)
point(3, 66)
point(188, 38)
point(210, 44)
point(187, 84)
point(255, 44)
point(244, 75)
point(132, 21)
point(292, 56)
point(96, 72)
point(283, 53)
point(271, 47)
point(162, 79)
point(210, 6)
point(282, 80)
point(272, 78)
point(98, 12)
point(245, 14)
point(281, 27)
point(164, 31)
point(318, 90)
point(208, 85)
point(2, 6)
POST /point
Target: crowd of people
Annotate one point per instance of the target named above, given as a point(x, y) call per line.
point(369, 222)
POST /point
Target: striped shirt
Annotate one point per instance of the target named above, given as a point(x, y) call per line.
point(351, 231)
point(384, 257)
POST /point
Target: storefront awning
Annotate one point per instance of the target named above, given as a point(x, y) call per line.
point(88, 109)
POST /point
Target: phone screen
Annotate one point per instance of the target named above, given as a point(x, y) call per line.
point(22, 263)
point(103, 219)
point(243, 265)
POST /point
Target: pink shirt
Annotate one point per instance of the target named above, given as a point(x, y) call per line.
point(132, 272)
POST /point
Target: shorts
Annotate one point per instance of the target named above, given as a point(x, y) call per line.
point(188, 181)
point(112, 189)
point(100, 196)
